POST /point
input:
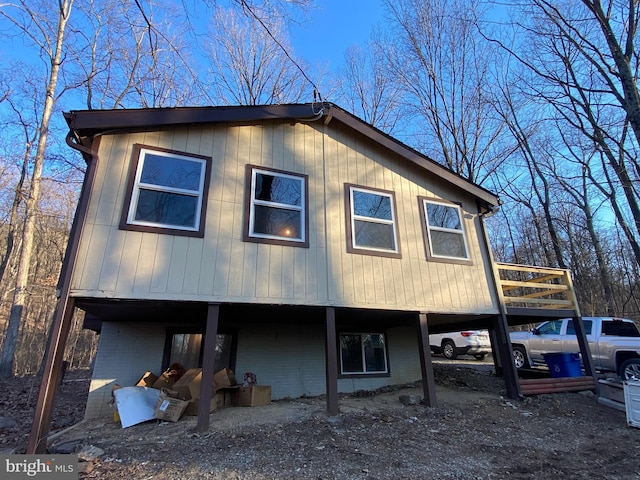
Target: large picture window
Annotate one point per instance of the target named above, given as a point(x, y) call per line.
point(363, 353)
point(166, 192)
point(371, 222)
point(446, 238)
point(277, 207)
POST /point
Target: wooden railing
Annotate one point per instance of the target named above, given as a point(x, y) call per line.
point(536, 287)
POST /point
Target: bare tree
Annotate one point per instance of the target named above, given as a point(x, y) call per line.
point(584, 67)
point(368, 90)
point(444, 68)
point(35, 23)
point(248, 67)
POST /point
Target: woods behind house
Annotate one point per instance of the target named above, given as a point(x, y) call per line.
point(537, 102)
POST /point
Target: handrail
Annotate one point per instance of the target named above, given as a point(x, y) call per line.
point(528, 286)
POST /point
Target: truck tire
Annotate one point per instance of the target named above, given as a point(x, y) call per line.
point(630, 369)
point(520, 358)
point(449, 350)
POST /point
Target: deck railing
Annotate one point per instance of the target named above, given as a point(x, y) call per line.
point(536, 287)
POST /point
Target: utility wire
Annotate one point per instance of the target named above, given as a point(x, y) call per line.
point(247, 7)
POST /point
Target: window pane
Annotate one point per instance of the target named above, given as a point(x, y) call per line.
point(166, 208)
point(374, 353)
point(185, 349)
point(370, 205)
point(277, 221)
point(448, 244)
point(272, 188)
point(171, 172)
point(351, 351)
point(619, 329)
point(376, 235)
point(551, 328)
point(443, 216)
point(587, 327)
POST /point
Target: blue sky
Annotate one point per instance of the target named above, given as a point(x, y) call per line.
point(332, 27)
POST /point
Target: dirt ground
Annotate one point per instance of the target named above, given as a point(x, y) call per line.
point(473, 433)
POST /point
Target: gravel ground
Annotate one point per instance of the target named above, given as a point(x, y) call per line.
point(473, 433)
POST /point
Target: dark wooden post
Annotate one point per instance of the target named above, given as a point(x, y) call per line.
point(331, 362)
point(505, 352)
point(62, 321)
point(581, 335)
point(428, 378)
point(63, 314)
point(208, 367)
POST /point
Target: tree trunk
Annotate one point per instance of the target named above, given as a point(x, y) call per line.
point(31, 205)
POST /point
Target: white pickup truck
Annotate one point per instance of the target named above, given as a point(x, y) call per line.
point(614, 344)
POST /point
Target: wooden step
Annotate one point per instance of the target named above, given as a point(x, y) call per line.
point(537, 386)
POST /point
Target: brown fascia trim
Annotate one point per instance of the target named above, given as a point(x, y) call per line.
point(414, 156)
point(86, 123)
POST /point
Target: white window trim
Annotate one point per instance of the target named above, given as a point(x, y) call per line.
point(138, 184)
point(364, 363)
point(285, 206)
point(431, 228)
point(355, 217)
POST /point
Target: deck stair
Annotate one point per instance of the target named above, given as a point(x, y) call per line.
point(537, 386)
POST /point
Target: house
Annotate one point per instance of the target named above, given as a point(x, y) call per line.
point(295, 242)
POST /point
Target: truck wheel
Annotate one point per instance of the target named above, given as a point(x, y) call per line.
point(479, 356)
point(520, 357)
point(630, 369)
point(449, 350)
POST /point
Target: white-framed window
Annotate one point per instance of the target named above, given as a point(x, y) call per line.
point(277, 207)
point(372, 221)
point(446, 238)
point(167, 191)
point(363, 353)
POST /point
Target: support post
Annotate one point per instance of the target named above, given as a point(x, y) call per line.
point(62, 321)
point(63, 314)
point(585, 351)
point(208, 367)
point(428, 378)
point(331, 356)
point(500, 326)
point(505, 353)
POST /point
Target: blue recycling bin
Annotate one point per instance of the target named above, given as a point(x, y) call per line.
point(563, 364)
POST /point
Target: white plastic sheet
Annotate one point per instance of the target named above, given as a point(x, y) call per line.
point(136, 404)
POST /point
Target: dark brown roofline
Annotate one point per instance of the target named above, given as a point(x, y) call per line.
point(85, 124)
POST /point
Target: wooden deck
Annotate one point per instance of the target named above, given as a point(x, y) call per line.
point(526, 287)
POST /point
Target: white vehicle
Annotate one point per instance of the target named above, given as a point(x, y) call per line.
point(466, 342)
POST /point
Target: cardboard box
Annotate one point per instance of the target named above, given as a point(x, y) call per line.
point(253, 396)
point(147, 380)
point(168, 407)
point(169, 377)
point(188, 386)
point(192, 406)
point(224, 378)
point(227, 396)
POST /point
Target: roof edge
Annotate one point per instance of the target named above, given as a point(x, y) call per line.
point(89, 123)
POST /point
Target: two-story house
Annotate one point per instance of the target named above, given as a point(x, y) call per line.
point(296, 242)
